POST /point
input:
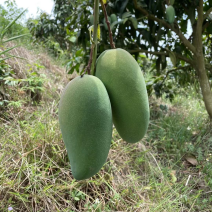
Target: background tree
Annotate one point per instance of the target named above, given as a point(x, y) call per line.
point(142, 26)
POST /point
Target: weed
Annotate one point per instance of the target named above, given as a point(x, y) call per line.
point(154, 175)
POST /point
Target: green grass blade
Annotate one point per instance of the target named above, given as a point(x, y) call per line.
point(7, 50)
point(5, 58)
point(16, 37)
point(16, 56)
point(10, 24)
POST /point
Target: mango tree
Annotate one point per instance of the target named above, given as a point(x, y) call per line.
point(150, 27)
point(186, 49)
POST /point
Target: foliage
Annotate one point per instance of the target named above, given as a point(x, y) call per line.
point(7, 14)
point(46, 25)
point(33, 85)
point(5, 70)
point(134, 32)
point(76, 62)
point(3, 41)
point(133, 178)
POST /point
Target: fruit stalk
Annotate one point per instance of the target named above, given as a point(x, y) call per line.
point(108, 25)
point(94, 44)
point(88, 67)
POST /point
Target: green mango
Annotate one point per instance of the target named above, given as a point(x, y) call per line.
point(85, 119)
point(113, 18)
point(170, 14)
point(125, 84)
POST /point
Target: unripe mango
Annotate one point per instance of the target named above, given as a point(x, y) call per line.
point(85, 119)
point(170, 14)
point(113, 18)
point(125, 84)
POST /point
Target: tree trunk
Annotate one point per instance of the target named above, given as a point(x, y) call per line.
point(203, 81)
point(199, 61)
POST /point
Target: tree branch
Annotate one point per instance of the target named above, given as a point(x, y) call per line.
point(198, 30)
point(108, 25)
point(179, 56)
point(177, 31)
point(200, 13)
point(88, 67)
point(187, 60)
point(148, 52)
point(175, 69)
point(207, 13)
point(205, 26)
point(94, 45)
point(180, 67)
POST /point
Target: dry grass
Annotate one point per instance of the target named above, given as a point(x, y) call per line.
point(35, 173)
point(20, 66)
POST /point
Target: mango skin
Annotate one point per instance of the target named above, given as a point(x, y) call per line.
point(85, 119)
point(170, 14)
point(126, 87)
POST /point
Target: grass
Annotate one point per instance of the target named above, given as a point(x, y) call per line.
point(170, 170)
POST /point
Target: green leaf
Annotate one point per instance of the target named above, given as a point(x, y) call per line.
point(171, 2)
point(183, 25)
point(134, 22)
point(76, 198)
point(164, 65)
point(69, 64)
point(163, 57)
point(71, 71)
point(121, 5)
point(124, 20)
point(113, 18)
point(126, 15)
point(78, 53)
point(182, 62)
point(5, 58)
point(173, 58)
point(158, 61)
point(159, 33)
point(191, 14)
point(5, 51)
point(77, 67)
point(78, 59)
point(72, 39)
point(11, 23)
point(47, 187)
point(209, 29)
point(16, 37)
point(142, 4)
point(115, 23)
point(142, 55)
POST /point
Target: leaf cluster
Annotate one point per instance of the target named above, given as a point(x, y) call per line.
point(141, 26)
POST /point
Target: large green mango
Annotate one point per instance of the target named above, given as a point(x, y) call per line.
point(126, 87)
point(85, 119)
